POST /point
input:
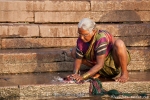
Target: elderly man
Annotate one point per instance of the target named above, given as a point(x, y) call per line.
point(98, 49)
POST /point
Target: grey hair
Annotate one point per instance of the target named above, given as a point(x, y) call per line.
point(87, 24)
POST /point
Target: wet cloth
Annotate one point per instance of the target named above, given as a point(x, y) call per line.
point(97, 89)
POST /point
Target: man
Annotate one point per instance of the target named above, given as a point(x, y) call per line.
point(98, 49)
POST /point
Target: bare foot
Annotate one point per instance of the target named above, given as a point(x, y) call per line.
point(123, 78)
point(96, 76)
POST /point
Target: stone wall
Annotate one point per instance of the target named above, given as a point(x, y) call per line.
point(41, 24)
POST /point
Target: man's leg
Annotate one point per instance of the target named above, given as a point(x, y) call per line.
point(120, 56)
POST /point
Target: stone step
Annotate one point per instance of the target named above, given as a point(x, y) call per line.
point(25, 30)
point(73, 5)
point(50, 85)
point(59, 35)
point(46, 11)
point(54, 59)
point(29, 43)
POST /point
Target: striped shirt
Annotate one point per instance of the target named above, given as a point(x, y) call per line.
point(102, 45)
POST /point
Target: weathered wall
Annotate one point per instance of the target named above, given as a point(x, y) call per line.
point(42, 24)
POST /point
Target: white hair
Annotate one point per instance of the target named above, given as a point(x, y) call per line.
point(87, 24)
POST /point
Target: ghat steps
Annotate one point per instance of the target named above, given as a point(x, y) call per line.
point(34, 34)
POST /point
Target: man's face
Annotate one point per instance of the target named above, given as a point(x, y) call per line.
point(85, 36)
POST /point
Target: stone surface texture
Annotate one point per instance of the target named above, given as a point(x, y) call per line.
point(48, 85)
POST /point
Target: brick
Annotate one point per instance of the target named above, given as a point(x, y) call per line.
point(58, 30)
point(16, 16)
point(62, 5)
point(119, 5)
point(37, 42)
point(16, 5)
point(19, 30)
point(45, 17)
point(107, 16)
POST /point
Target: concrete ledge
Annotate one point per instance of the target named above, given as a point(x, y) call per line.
point(43, 85)
point(128, 87)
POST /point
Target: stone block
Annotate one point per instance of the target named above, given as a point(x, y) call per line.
point(120, 16)
point(16, 16)
point(31, 56)
point(128, 87)
point(126, 29)
point(106, 16)
point(136, 41)
point(3, 30)
point(103, 5)
point(19, 30)
point(139, 65)
point(37, 42)
point(13, 5)
point(64, 5)
point(35, 67)
point(58, 30)
point(54, 90)
point(139, 54)
point(9, 91)
point(46, 17)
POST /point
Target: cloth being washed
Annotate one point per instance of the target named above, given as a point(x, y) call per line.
point(97, 89)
